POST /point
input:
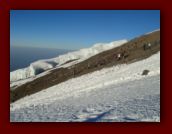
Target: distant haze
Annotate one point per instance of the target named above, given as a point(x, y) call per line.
point(21, 57)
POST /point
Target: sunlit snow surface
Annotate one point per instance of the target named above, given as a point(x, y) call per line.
point(46, 64)
point(113, 94)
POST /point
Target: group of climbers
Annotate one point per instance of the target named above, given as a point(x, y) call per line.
point(121, 55)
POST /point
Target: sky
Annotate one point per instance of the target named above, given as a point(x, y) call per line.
point(76, 29)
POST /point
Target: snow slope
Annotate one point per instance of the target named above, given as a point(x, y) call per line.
point(43, 65)
point(152, 31)
point(118, 93)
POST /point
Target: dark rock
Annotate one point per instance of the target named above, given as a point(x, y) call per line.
point(145, 72)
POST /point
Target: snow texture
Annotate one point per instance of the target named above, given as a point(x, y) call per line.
point(116, 94)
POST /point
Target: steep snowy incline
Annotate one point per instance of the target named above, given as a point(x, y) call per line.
point(119, 93)
point(77, 56)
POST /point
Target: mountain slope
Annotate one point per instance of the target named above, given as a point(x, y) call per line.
point(40, 66)
point(118, 93)
point(132, 51)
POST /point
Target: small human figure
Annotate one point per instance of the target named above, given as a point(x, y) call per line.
point(88, 65)
point(147, 46)
point(115, 56)
point(118, 56)
point(125, 54)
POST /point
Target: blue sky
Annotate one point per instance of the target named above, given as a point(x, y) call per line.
point(75, 29)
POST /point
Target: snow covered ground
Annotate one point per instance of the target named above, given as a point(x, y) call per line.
point(43, 65)
point(115, 94)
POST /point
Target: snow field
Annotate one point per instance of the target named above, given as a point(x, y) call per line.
point(118, 93)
